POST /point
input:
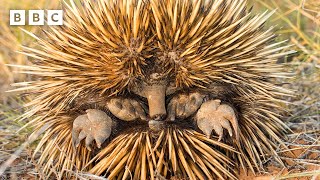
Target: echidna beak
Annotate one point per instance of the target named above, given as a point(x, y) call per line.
point(156, 95)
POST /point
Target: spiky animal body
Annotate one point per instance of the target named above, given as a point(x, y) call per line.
point(108, 49)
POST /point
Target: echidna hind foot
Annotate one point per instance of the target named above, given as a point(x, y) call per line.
point(95, 125)
point(215, 116)
point(210, 115)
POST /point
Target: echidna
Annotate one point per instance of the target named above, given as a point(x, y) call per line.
point(149, 89)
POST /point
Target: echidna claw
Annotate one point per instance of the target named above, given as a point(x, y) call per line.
point(95, 125)
point(126, 109)
point(213, 115)
point(184, 105)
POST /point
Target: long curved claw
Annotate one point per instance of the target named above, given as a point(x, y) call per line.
point(231, 117)
point(213, 116)
point(95, 125)
point(172, 110)
point(89, 140)
point(226, 125)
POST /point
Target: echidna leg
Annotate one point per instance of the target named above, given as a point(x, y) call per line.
point(184, 105)
point(213, 115)
point(126, 109)
point(94, 125)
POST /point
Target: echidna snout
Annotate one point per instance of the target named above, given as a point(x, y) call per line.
point(156, 97)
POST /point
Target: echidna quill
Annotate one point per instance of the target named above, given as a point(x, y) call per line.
point(149, 89)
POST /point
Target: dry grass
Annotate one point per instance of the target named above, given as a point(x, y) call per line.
point(300, 24)
point(298, 21)
point(11, 39)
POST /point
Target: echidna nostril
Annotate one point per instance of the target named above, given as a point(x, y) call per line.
point(158, 117)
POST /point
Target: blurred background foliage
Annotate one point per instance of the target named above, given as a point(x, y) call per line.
point(297, 21)
point(11, 40)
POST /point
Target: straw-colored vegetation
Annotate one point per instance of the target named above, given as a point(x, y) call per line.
point(298, 22)
point(11, 39)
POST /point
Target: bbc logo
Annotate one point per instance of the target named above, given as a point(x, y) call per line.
point(36, 17)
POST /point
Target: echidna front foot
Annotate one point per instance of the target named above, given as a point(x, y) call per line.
point(126, 109)
point(184, 105)
point(94, 125)
point(213, 115)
